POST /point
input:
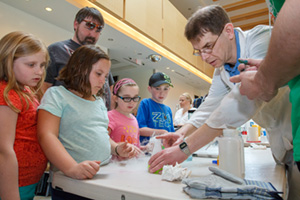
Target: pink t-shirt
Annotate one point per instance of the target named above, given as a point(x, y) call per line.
point(123, 128)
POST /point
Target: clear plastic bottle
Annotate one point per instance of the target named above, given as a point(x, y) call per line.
point(231, 153)
point(263, 136)
point(157, 147)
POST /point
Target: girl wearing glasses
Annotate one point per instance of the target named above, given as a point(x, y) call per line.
point(123, 125)
point(73, 121)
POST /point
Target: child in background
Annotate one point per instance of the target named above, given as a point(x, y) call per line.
point(73, 121)
point(153, 115)
point(23, 60)
point(123, 125)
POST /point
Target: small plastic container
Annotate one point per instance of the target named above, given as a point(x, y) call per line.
point(263, 137)
point(252, 134)
point(157, 147)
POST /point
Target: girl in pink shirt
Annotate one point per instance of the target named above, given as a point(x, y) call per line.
point(123, 125)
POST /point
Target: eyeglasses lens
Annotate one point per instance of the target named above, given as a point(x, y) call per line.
point(197, 52)
point(136, 99)
point(128, 99)
point(91, 26)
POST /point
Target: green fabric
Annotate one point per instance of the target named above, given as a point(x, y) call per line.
point(275, 6)
point(27, 192)
point(294, 85)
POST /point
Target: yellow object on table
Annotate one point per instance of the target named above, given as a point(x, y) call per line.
point(258, 127)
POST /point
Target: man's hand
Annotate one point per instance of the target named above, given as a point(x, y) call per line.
point(253, 82)
point(170, 139)
point(168, 156)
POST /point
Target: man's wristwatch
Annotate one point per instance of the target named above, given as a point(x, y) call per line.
point(184, 148)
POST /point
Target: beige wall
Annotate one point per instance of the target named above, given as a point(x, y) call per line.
point(160, 21)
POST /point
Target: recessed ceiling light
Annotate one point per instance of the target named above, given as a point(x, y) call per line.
point(173, 70)
point(167, 67)
point(154, 57)
point(48, 9)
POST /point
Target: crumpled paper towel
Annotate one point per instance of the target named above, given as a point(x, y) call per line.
point(175, 173)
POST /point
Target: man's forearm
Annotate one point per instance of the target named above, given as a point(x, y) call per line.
point(186, 130)
point(201, 137)
point(282, 60)
point(148, 132)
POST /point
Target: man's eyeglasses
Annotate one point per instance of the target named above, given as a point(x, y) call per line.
point(129, 99)
point(207, 50)
point(91, 26)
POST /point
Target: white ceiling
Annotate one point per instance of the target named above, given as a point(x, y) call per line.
point(121, 49)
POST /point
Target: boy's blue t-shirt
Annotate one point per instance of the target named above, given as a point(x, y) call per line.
point(154, 115)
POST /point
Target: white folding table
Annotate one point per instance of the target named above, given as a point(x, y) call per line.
point(132, 180)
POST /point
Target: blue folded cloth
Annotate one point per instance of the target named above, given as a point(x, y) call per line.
point(223, 185)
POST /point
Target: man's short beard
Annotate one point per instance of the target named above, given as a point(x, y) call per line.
point(87, 40)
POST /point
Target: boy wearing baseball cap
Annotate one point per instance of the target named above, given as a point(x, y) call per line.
point(153, 115)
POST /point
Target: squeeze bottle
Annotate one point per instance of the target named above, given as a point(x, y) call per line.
point(231, 153)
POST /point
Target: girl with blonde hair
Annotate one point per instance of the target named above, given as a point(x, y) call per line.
point(23, 60)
